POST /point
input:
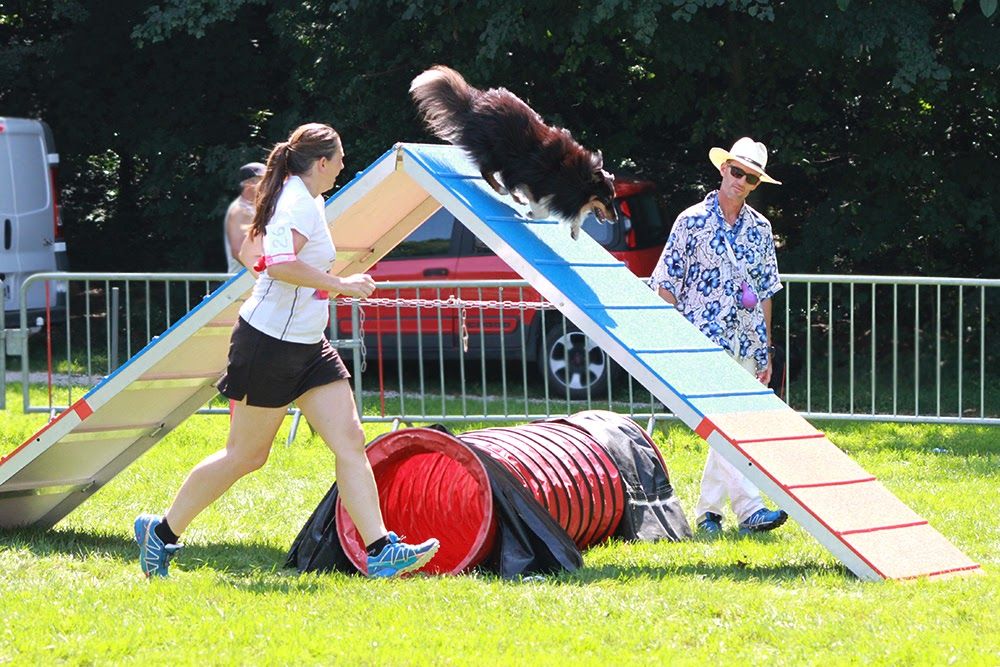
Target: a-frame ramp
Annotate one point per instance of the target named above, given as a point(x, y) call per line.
point(73, 456)
point(849, 511)
point(845, 508)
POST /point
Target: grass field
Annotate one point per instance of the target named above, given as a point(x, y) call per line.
point(75, 595)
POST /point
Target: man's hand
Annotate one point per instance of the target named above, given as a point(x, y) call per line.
point(765, 375)
point(359, 285)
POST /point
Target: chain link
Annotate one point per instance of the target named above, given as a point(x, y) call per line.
point(451, 302)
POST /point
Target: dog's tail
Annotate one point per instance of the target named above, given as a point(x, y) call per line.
point(442, 97)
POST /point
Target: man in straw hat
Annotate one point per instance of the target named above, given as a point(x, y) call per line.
point(719, 269)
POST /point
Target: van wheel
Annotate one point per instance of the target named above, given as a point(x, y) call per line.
point(572, 361)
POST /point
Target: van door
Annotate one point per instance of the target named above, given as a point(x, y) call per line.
point(27, 214)
point(9, 267)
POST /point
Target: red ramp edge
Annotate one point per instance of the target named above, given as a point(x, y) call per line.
point(907, 549)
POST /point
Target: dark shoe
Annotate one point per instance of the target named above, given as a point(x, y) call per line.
point(710, 524)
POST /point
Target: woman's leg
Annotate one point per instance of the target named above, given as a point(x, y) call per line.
point(331, 412)
point(251, 434)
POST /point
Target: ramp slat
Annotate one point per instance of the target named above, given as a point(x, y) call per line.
point(855, 507)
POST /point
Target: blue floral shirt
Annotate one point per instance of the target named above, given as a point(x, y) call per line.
point(704, 264)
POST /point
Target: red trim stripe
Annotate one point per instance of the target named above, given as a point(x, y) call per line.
point(838, 483)
point(83, 409)
point(880, 528)
point(818, 434)
point(705, 428)
point(939, 573)
point(42, 430)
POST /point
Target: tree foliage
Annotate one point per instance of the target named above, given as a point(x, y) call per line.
point(880, 115)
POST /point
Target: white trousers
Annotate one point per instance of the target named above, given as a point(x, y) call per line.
point(721, 480)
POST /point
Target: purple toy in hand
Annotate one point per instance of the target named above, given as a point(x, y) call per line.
point(747, 296)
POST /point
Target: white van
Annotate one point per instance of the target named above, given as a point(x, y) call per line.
point(31, 234)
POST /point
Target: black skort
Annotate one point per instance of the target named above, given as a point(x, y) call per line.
point(271, 373)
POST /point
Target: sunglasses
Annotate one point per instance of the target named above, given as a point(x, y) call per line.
point(739, 173)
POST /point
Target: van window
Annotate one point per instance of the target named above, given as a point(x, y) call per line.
point(431, 239)
point(602, 232)
point(648, 221)
point(30, 171)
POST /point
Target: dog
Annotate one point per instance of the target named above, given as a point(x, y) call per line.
point(505, 136)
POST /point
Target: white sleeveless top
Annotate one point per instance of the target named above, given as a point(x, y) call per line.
point(279, 309)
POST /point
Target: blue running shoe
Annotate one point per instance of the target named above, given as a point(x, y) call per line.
point(398, 558)
point(762, 520)
point(710, 524)
point(154, 555)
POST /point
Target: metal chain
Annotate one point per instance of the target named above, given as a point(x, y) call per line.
point(463, 330)
point(451, 302)
point(361, 329)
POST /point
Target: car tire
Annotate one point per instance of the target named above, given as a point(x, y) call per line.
point(568, 357)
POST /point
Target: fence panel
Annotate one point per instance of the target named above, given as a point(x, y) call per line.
point(104, 320)
point(852, 347)
point(891, 348)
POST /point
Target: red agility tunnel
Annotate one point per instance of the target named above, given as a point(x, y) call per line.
point(432, 484)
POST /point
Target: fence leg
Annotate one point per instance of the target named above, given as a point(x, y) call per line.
point(113, 360)
point(651, 424)
point(397, 422)
point(296, 416)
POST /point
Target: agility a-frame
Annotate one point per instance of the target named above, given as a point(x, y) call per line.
point(846, 509)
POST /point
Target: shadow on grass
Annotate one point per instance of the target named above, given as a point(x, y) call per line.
point(730, 571)
point(258, 567)
point(236, 557)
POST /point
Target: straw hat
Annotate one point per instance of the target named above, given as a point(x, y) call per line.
point(746, 151)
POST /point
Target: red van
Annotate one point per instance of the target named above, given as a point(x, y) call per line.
point(442, 249)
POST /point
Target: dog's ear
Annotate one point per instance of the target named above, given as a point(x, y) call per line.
point(596, 161)
point(602, 176)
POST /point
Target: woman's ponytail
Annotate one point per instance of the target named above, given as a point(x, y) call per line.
point(306, 144)
point(270, 188)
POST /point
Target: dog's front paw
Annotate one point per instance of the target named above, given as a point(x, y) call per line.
point(497, 186)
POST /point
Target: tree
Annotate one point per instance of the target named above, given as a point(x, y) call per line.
point(881, 117)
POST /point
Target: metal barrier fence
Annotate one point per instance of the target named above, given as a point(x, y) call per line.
point(854, 347)
point(105, 318)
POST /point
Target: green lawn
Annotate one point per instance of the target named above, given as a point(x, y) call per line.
point(75, 594)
